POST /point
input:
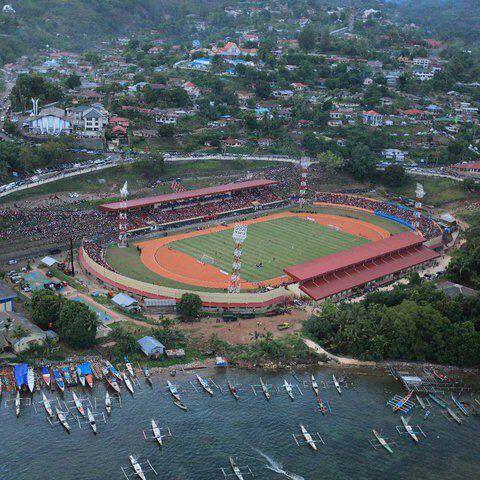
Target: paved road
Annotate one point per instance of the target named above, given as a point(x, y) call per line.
point(4, 106)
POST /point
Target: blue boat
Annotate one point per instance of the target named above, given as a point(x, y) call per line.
point(438, 401)
point(59, 379)
point(87, 373)
point(21, 374)
point(66, 374)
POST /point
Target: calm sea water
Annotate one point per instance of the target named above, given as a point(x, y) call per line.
point(216, 427)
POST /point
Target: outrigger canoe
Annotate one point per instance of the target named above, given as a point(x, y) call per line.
point(157, 435)
point(454, 415)
point(437, 400)
point(137, 468)
point(459, 405)
point(46, 375)
point(308, 438)
point(18, 402)
point(111, 380)
point(382, 441)
point(204, 383)
point(62, 419)
point(81, 375)
point(314, 385)
point(59, 380)
point(321, 406)
point(78, 404)
point(336, 384)
point(409, 429)
point(402, 402)
point(235, 469)
point(128, 383)
point(288, 389)
point(264, 389)
point(129, 367)
point(31, 379)
point(91, 420)
point(108, 403)
point(47, 405)
point(180, 404)
point(233, 390)
point(173, 390)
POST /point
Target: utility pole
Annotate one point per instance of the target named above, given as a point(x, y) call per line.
point(72, 266)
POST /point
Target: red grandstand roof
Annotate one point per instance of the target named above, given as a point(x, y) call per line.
point(189, 194)
point(467, 166)
point(337, 261)
point(352, 277)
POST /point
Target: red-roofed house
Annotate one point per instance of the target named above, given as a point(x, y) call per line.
point(372, 118)
point(470, 168)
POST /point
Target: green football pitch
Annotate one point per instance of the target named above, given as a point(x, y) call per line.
point(270, 246)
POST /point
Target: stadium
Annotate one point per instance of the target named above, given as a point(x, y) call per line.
point(334, 246)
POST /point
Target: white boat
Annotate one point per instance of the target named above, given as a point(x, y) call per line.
point(337, 385)
point(157, 435)
point(382, 441)
point(204, 383)
point(91, 420)
point(137, 468)
point(233, 390)
point(314, 385)
point(62, 419)
point(308, 438)
point(108, 403)
point(173, 390)
point(420, 401)
point(264, 389)
point(129, 368)
point(454, 415)
point(409, 429)
point(235, 468)
point(78, 404)
point(31, 379)
point(180, 404)
point(81, 376)
point(18, 402)
point(288, 389)
point(47, 405)
point(128, 382)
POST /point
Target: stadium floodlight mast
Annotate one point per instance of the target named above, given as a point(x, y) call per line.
point(304, 164)
point(239, 236)
point(419, 194)
point(122, 218)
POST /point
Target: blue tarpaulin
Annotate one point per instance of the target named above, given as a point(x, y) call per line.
point(395, 219)
point(86, 368)
point(21, 373)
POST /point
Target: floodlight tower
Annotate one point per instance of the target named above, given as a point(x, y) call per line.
point(239, 236)
point(419, 194)
point(304, 164)
point(122, 218)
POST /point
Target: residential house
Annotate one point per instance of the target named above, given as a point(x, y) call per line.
point(372, 118)
point(19, 333)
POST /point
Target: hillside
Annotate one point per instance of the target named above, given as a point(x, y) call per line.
point(78, 24)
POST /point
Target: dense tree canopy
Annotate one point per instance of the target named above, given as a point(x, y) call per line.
point(77, 325)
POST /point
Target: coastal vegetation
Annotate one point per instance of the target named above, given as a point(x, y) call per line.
point(414, 322)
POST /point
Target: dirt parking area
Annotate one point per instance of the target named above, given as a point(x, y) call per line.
point(244, 330)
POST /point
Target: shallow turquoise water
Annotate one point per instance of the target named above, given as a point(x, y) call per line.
point(216, 427)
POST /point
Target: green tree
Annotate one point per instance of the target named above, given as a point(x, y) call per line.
point(307, 39)
point(189, 306)
point(394, 176)
point(45, 308)
point(73, 81)
point(77, 325)
point(329, 161)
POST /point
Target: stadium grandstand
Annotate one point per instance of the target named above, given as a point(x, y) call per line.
point(344, 274)
point(194, 206)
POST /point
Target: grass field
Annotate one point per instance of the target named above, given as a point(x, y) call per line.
point(275, 244)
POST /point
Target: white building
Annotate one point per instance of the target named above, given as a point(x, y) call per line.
point(50, 121)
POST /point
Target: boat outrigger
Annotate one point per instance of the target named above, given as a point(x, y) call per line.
point(62, 419)
point(264, 389)
point(173, 390)
point(314, 385)
point(137, 468)
point(409, 429)
point(78, 404)
point(382, 441)
point(204, 383)
point(47, 405)
point(31, 379)
point(459, 405)
point(233, 390)
point(91, 420)
point(308, 438)
point(46, 375)
point(288, 389)
point(235, 468)
point(108, 403)
point(400, 405)
point(337, 384)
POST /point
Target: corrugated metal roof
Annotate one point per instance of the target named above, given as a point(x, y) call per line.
point(150, 345)
point(326, 286)
point(356, 255)
point(173, 197)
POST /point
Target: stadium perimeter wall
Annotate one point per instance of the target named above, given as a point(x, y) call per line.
point(260, 302)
